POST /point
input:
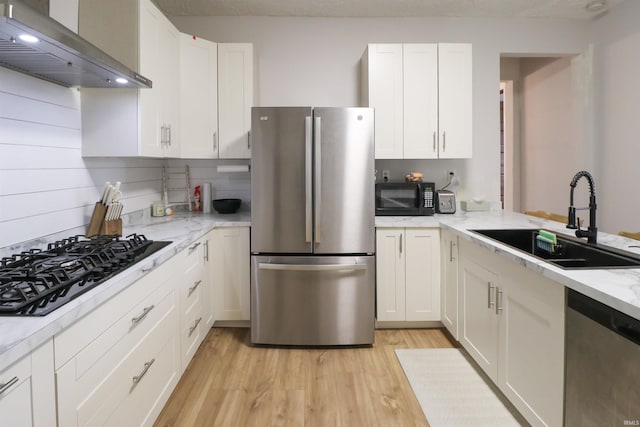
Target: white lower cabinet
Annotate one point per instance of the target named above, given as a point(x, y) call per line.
point(407, 274)
point(512, 324)
point(449, 281)
point(195, 293)
point(119, 364)
point(27, 390)
point(230, 273)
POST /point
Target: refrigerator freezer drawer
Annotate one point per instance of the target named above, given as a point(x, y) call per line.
point(312, 300)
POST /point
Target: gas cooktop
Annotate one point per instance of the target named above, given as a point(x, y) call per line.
point(36, 282)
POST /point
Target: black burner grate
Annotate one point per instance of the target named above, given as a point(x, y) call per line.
point(36, 282)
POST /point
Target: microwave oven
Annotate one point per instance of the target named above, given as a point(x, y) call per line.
point(405, 198)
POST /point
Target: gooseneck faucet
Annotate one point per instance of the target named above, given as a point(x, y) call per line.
point(592, 231)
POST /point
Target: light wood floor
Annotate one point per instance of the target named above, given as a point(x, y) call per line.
point(231, 383)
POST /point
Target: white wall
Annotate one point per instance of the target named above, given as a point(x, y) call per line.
point(45, 185)
point(617, 37)
point(552, 134)
point(315, 61)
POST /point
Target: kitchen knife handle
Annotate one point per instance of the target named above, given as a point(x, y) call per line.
point(307, 179)
point(318, 181)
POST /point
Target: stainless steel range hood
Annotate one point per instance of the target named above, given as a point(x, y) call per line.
point(60, 55)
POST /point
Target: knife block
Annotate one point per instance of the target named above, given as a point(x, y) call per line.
point(97, 219)
point(111, 228)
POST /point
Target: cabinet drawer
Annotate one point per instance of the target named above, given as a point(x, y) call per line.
point(15, 394)
point(96, 398)
point(84, 332)
point(192, 332)
point(193, 286)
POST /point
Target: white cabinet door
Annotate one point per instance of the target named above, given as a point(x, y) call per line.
point(449, 280)
point(235, 99)
point(420, 94)
point(385, 84)
point(127, 122)
point(390, 274)
point(531, 361)
point(478, 321)
point(231, 273)
point(198, 98)
point(456, 100)
point(422, 274)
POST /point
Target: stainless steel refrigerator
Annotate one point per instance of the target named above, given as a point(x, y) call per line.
point(312, 226)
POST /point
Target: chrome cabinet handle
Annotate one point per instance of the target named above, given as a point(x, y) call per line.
point(434, 141)
point(194, 287)
point(444, 141)
point(147, 365)
point(169, 134)
point(193, 248)
point(206, 250)
point(451, 251)
point(4, 387)
point(307, 179)
point(142, 315)
point(490, 300)
point(401, 244)
point(195, 325)
point(147, 268)
point(249, 140)
point(499, 301)
point(215, 141)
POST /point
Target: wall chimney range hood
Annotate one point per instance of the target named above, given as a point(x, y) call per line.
point(35, 44)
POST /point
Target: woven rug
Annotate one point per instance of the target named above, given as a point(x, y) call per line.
point(450, 391)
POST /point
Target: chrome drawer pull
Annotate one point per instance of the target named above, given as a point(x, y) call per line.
point(4, 387)
point(195, 325)
point(499, 301)
point(194, 287)
point(193, 248)
point(143, 314)
point(147, 365)
point(490, 301)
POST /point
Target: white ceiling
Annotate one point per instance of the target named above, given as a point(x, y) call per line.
point(569, 9)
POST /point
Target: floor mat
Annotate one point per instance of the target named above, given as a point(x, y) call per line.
point(450, 391)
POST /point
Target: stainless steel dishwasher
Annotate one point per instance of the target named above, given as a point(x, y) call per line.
point(602, 385)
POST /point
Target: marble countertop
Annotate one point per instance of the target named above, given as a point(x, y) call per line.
point(20, 335)
point(618, 288)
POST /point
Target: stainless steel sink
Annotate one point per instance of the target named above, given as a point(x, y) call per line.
point(571, 253)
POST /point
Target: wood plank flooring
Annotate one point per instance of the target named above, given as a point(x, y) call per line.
point(231, 383)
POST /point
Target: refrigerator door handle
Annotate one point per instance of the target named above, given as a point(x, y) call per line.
point(308, 179)
point(318, 173)
point(310, 267)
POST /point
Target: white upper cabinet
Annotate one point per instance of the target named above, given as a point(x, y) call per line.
point(455, 100)
point(235, 99)
point(132, 122)
point(422, 97)
point(198, 98)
